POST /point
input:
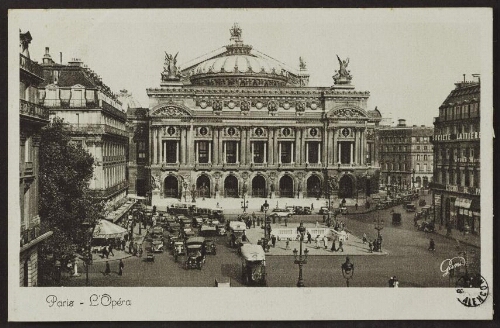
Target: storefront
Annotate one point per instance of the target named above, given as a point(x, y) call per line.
point(468, 216)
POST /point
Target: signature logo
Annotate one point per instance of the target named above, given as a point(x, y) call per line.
point(451, 264)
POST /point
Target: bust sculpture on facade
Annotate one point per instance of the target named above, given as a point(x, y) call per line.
point(343, 75)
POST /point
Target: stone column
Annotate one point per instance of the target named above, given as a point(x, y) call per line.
point(270, 142)
point(339, 146)
point(356, 148)
point(154, 146)
point(237, 153)
point(331, 150)
point(215, 141)
point(247, 147)
point(221, 153)
point(363, 148)
point(279, 153)
point(319, 155)
point(243, 137)
point(159, 145)
point(265, 152)
point(252, 149)
point(307, 152)
point(209, 152)
point(164, 154)
point(351, 159)
point(177, 152)
point(334, 148)
point(190, 144)
point(292, 155)
point(297, 146)
point(224, 154)
point(324, 142)
point(183, 145)
point(197, 152)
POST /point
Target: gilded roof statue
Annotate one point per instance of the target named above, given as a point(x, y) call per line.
point(170, 69)
point(343, 75)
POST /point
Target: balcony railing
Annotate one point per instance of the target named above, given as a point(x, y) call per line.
point(28, 168)
point(96, 129)
point(33, 110)
point(30, 66)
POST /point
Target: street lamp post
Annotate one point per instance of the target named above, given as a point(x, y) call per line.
point(379, 225)
point(347, 270)
point(193, 190)
point(413, 180)
point(244, 204)
point(301, 258)
point(185, 190)
point(87, 257)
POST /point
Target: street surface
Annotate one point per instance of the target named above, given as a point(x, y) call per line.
point(408, 258)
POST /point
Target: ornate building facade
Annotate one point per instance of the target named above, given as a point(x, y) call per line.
point(241, 122)
point(32, 117)
point(406, 156)
point(457, 167)
point(96, 120)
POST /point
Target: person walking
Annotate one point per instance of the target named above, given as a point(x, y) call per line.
point(111, 249)
point(309, 238)
point(273, 240)
point(356, 206)
point(325, 241)
point(123, 244)
point(108, 269)
point(333, 249)
point(312, 207)
point(287, 243)
point(370, 247)
point(364, 238)
point(432, 245)
point(120, 267)
point(341, 245)
point(317, 241)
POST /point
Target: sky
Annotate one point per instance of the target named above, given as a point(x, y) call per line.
point(408, 59)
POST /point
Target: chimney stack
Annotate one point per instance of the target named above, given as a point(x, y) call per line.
point(60, 58)
point(401, 122)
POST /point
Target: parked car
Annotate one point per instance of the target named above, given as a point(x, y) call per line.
point(410, 207)
point(236, 233)
point(178, 250)
point(157, 246)
point(210, 247)
point(306, 210)
point(280, 213)
point(396, 218)
point(253, 265)
point(323, 210)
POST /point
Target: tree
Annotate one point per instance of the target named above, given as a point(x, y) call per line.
point(65, 200)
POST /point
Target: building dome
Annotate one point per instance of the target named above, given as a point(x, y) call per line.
point(127, 100)
point(239, 65)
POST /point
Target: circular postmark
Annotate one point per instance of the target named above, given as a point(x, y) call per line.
point(472, 290)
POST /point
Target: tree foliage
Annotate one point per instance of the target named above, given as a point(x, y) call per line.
point(65, 200)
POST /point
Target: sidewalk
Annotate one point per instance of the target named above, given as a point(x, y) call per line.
point(469, 239)
point(119, 254)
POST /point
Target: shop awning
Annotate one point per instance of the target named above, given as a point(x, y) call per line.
point(475, 205)
point(106, 229)
point(463, 202)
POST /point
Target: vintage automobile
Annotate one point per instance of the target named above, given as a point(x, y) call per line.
point(426, 226)
point(410, 207)
point(210, 247)
point(396, 218)
point(148, 247)
point(208, 230)
point(236, 233)
point(157, 230)
point(157, 246)
point(343, 210)
point(197, 221)
point(306, 210)
point(323, 210)
point(280, 213)
point(422, 202)
point(253, 265)
point(178, 249)
point(221, 230)
point(195, 253)
point(175, 228)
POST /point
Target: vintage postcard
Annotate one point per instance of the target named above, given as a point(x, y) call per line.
point(260, 164)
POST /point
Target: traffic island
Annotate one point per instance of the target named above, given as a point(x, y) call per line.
point(287, 241)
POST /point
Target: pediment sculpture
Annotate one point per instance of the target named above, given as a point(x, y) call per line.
point(171, 111)
point(170, 69)
point(347, 113)
point(343, 75)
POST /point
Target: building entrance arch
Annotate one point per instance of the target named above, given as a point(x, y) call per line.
point(231, 186)
point(203, 186)
point(418, 182)
point(171, 187)
point(346, 186)
point(259, 186)
point(313, 186)
point(286, 186)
